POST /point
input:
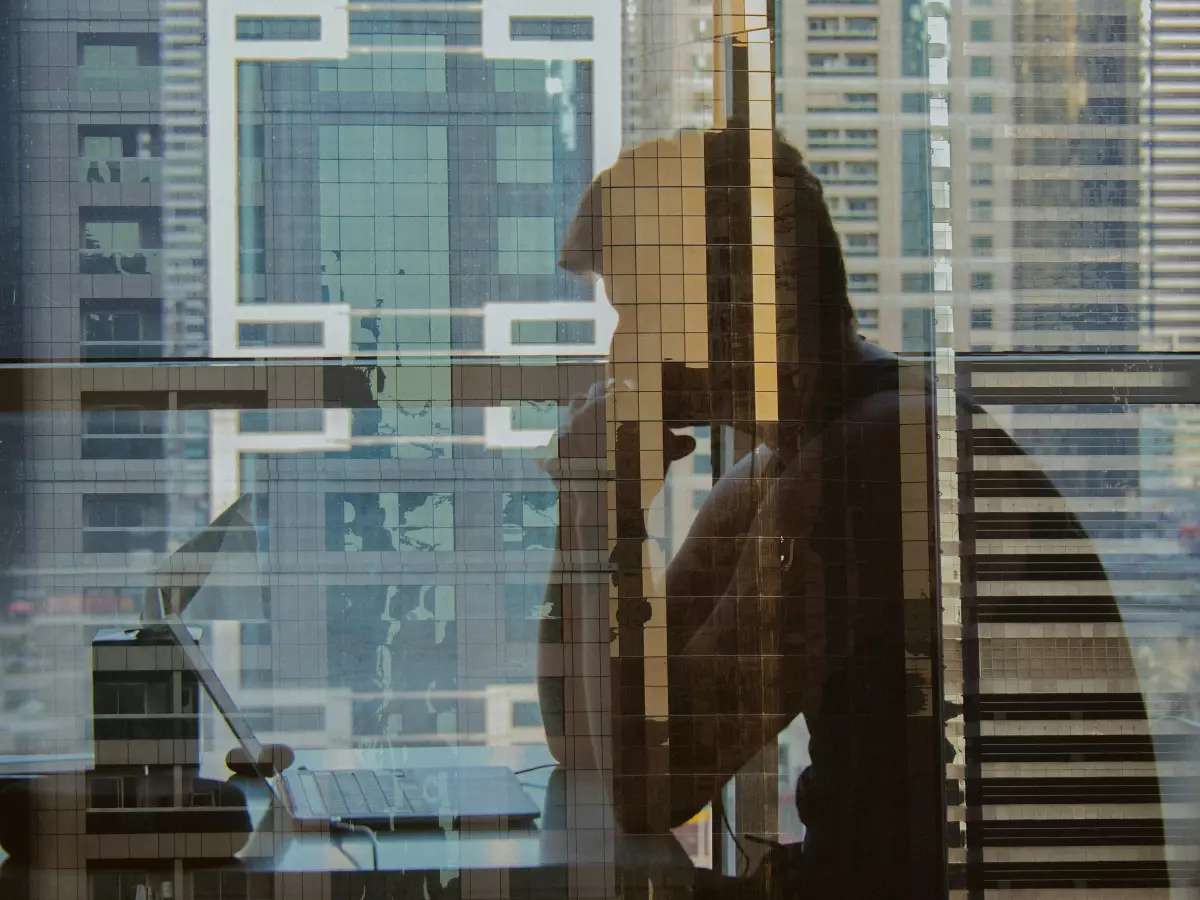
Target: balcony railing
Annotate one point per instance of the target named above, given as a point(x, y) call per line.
point(123, 170)
point(147, 79)
point(841, 71)
point(851, 180)
point(133, 349)
point(843, 35)
point(844, 144)
point(120, 262)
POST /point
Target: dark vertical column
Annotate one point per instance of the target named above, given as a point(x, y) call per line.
point(12, 443)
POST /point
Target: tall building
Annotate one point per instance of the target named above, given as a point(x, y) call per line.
point(411, 182)
point(1168, 174)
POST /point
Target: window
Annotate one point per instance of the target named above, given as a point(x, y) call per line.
point(280, 335)
point(286, 719)
point(981, 67)
point(530, 520)
point(117, 49)
point(916, 330)
point(914, 103)
point(862, 207)
point(916, 282)
point(122, 240)
point(193, 418)
point(121, 329)
point(124, 523)
point(862, 245)
point(115, 154)
point(118, 792)
point(255, 640)
point(529, 608)
point(524, 154)
point(982, 281)
point(123, 424)
point(278, 28)
point(981, 210)
point(825, 170)
point(863, 282)
point(982, 317)
point(822, 136)
point(981, 142)
point(862, 101)
point(862, 26)
point(982, 245)
point(417, 67)
point(526, 244)
point(822, 25)
point(228, 885)
point(916, 198)
point(867, 318)
point(118, 62)
point(823, 62)
point(862, 62)
point(981, 30)
point(868, 137)
point(111, 885)
point(151, 696)
point(981, 104)
point(981, 174)
point(107, 601)
point(864, 172)
point(421, 521)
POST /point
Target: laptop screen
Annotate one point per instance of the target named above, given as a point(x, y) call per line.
point(214, 687)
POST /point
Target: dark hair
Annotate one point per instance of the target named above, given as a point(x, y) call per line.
point(809, 260)
point(814, 316)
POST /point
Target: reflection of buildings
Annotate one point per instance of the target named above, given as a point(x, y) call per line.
point(427, 179)
point(1046, 137)
point(430, 180)
point(1170, 166)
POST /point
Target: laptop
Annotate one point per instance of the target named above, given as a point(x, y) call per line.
point(379, 799)
point(384, 799)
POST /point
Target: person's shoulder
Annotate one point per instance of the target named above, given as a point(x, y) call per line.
point(878, 377)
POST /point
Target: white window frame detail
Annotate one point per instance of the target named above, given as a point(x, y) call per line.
point(225, 51)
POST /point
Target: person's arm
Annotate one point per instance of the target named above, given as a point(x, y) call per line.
point(573, 650)
point(707, 577)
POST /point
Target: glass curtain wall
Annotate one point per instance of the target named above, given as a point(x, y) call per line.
point(690, 448)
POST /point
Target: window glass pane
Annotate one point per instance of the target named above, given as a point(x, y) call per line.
point(781, 414)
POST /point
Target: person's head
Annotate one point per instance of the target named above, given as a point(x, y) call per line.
point(688, 234)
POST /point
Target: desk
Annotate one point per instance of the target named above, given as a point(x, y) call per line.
point(575, 842)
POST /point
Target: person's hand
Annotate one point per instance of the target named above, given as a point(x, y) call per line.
point(582, 440)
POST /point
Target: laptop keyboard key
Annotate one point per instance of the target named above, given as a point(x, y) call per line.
point(335, 804)
point(374, 797)
point(351, 792)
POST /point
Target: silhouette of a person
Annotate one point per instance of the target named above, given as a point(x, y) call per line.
point(789, 593)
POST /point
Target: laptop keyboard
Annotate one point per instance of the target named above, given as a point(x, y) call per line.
point(368, 793)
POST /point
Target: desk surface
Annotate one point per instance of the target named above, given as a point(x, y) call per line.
point(576, 829)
